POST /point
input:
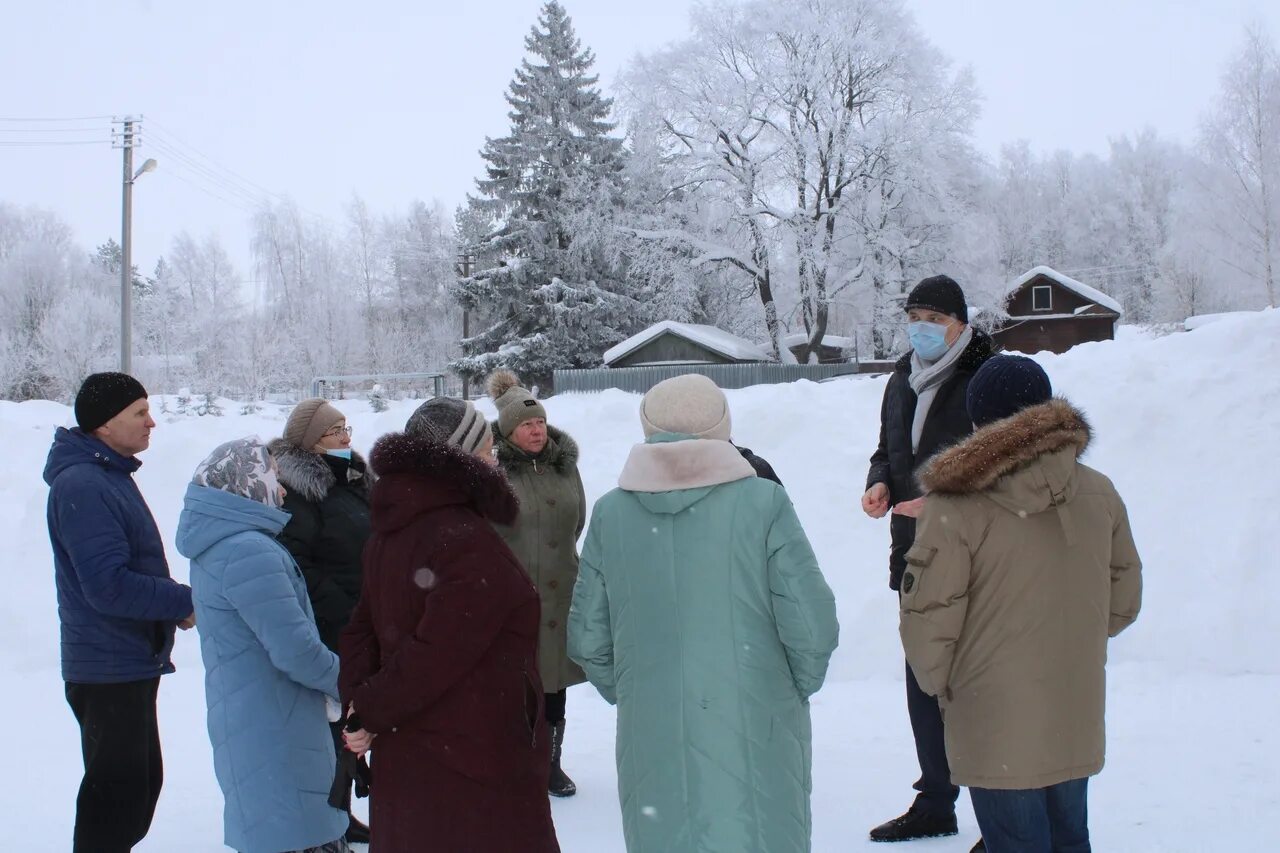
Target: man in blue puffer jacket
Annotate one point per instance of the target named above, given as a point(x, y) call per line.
point(117, 606)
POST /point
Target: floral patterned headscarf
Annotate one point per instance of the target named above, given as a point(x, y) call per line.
point(243, 467)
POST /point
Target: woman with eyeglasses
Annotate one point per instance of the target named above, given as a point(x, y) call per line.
point(328, 498)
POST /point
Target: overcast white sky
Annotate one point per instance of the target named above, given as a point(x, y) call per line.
point(393, 99)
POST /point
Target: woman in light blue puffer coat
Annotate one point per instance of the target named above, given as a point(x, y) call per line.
point(267, 674)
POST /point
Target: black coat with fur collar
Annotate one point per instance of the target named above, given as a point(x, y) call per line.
point(328, 499)
point(894, 463)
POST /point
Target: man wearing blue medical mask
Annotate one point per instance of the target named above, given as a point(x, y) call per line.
point(328, 499)
point(923, 412)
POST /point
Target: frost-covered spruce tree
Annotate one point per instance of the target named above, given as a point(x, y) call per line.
point(548, 295)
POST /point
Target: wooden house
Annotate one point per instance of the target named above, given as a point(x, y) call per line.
point(672, 343)
point(1054, 312)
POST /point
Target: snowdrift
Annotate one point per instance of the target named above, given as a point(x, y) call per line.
point(1186, 425)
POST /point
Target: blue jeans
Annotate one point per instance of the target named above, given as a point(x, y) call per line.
point(1041, 820)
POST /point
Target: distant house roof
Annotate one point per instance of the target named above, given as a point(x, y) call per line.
point(709, 337)
point(1079, 288)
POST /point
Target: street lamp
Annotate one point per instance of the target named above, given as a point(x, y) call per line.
point(126, 254)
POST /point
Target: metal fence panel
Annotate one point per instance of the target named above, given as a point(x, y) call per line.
point(640, 379)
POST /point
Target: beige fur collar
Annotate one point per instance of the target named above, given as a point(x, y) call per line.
point(675, 465)
point(1001, 448)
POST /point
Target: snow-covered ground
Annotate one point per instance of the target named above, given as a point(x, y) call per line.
point(1187, 426)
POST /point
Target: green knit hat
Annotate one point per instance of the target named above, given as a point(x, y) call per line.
point(515, 404)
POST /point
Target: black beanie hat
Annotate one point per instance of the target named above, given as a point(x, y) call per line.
point(939, 293)
point(1004, 386)
point(105, 395)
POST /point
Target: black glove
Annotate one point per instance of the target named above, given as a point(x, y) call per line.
point(351, 768)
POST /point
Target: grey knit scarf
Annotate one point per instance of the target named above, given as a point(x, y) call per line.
point(926, 379)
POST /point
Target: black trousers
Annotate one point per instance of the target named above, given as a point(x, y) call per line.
point(937, 794)
point(553, 705)
point(123, 771)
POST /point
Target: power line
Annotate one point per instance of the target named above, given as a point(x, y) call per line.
point(60, 118)
point(42, 143)
point(191, 183)
point(166, 132)
point(196, 169)
point(52, 129)
point(224, 177)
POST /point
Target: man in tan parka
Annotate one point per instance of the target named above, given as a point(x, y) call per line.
point(1022, 568)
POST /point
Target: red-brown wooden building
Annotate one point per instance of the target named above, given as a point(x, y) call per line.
point(1050, 311)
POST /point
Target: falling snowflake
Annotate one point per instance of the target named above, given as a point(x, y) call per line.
point(424, 578)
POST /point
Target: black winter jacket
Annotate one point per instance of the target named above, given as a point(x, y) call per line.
point(894, 463)
point(328, 498)
point(763, 469)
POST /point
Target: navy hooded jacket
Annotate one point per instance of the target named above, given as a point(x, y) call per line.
point(116, 602)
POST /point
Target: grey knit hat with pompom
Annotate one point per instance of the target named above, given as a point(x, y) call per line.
point(515, 404)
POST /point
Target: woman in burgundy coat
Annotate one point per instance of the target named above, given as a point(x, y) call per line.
point(439, 661)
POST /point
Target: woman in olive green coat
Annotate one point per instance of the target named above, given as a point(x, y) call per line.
point(542, 464)
point(702, 614)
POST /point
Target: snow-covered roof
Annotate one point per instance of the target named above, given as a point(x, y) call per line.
point(714, 339)
point(1079, 288)
point(1035, 318)
point(835, 341)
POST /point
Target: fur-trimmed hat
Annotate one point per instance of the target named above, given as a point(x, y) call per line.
point(309, 421)
point(689, 405)
point(515, 404)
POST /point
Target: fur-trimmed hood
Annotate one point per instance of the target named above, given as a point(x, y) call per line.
point(669, 463)
point(978, 463)
point(418, 475)
point(560, 454)
point(310, 476)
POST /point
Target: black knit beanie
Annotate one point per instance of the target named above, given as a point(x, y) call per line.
point(105, 395)
point(1004, 386)
point(939, 293)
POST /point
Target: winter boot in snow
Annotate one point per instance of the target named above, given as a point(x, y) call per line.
point(560, 784)
point(916, 824)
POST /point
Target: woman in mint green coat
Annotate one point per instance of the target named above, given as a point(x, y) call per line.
point(700, 611)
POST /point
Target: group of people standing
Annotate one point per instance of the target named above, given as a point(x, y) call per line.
point(429, 607)
point(1014, 564)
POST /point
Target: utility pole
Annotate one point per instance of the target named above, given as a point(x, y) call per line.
point(127, 139)
point(126, 251)
point(465, 262)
